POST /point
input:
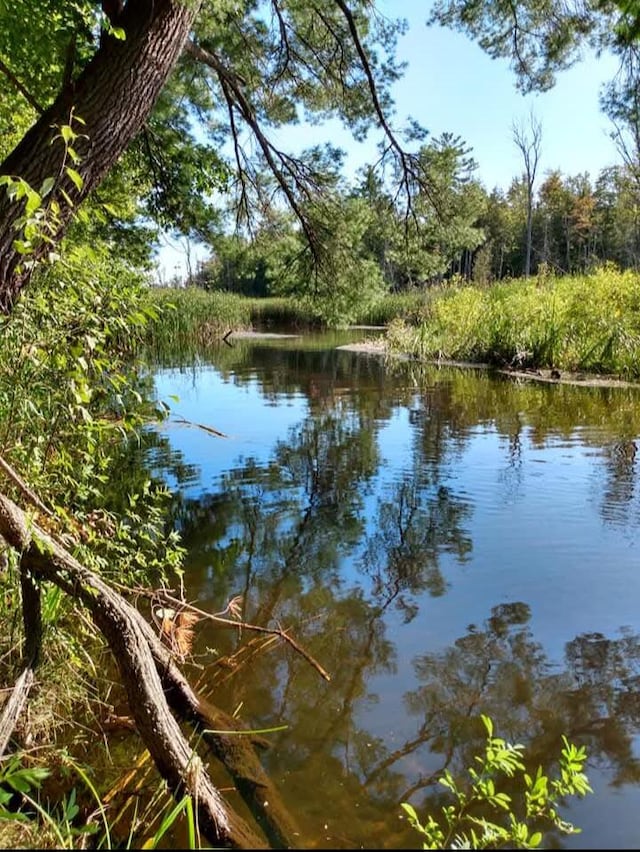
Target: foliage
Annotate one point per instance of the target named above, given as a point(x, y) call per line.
point(40, 221)
point(67, 388)
point(189, 320)
point(73, 400)
point(587, 322)
point(29, 814)
point(514, 823)
point(341, 278)
point(539, 37)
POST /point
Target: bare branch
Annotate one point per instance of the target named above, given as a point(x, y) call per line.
point(26, 94)
point(166, 597)
point(233, 91)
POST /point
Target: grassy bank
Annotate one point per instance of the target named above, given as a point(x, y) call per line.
point(189, 320)
point(587, 323)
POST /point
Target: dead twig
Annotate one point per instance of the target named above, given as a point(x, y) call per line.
point(165, 597)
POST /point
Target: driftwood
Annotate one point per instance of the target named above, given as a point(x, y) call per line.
point(154, 684)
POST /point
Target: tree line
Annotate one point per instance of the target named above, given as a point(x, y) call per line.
point(563, 224)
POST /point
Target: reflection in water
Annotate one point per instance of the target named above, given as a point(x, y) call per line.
point(445, 543)
point(620, 485)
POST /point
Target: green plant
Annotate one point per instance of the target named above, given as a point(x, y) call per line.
point(41, 218)
point(465, 823)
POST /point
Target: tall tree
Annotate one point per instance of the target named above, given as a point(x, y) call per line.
point(528, 141)
point(113, 95)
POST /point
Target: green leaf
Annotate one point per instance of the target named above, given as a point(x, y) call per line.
point(34, 201)
point(75, 177)
point(47, 186)
point(68, 133)
point(488, 723)
point(410, 810)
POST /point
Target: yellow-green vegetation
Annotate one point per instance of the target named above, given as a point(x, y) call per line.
point(585, 323)
point(483, 815)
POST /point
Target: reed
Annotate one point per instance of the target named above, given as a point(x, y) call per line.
point(588, 323)
point(190, 320)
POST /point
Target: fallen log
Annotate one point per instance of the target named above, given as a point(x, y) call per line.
point(147, 670)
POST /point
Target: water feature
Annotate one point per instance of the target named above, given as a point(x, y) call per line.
point(444, 542)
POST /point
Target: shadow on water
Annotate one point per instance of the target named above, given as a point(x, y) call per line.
point(445, 542)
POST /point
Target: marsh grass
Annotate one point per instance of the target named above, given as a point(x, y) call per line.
point(588, 323)
point(411, 306)
point(190, 321)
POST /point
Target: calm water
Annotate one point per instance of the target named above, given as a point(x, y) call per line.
point(444, 543)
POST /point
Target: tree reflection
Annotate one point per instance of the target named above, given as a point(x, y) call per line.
point(401, 554)
point(619, 494)
point(502, 671)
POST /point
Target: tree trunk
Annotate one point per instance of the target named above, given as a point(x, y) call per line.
point(527, 261)
point(113, 96)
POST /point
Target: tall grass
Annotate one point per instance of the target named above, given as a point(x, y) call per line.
point(192, 319)
point(411, 306)
point(577, 323)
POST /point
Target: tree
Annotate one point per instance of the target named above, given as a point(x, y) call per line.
point(443, 230)
point(253, 65)
point(113, 96)
point(528, 143)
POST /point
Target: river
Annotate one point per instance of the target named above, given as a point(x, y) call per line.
point(443, 542)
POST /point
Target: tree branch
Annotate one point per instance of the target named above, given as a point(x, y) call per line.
point(26, 94)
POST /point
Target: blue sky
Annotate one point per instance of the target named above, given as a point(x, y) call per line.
point(451, 85)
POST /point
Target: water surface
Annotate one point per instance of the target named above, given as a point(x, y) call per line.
point(444, 543)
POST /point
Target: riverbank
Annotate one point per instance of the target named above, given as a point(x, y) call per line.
point(380, 348)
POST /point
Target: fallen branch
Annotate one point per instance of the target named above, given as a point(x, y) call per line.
point(165, 597)
point(32, 620)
